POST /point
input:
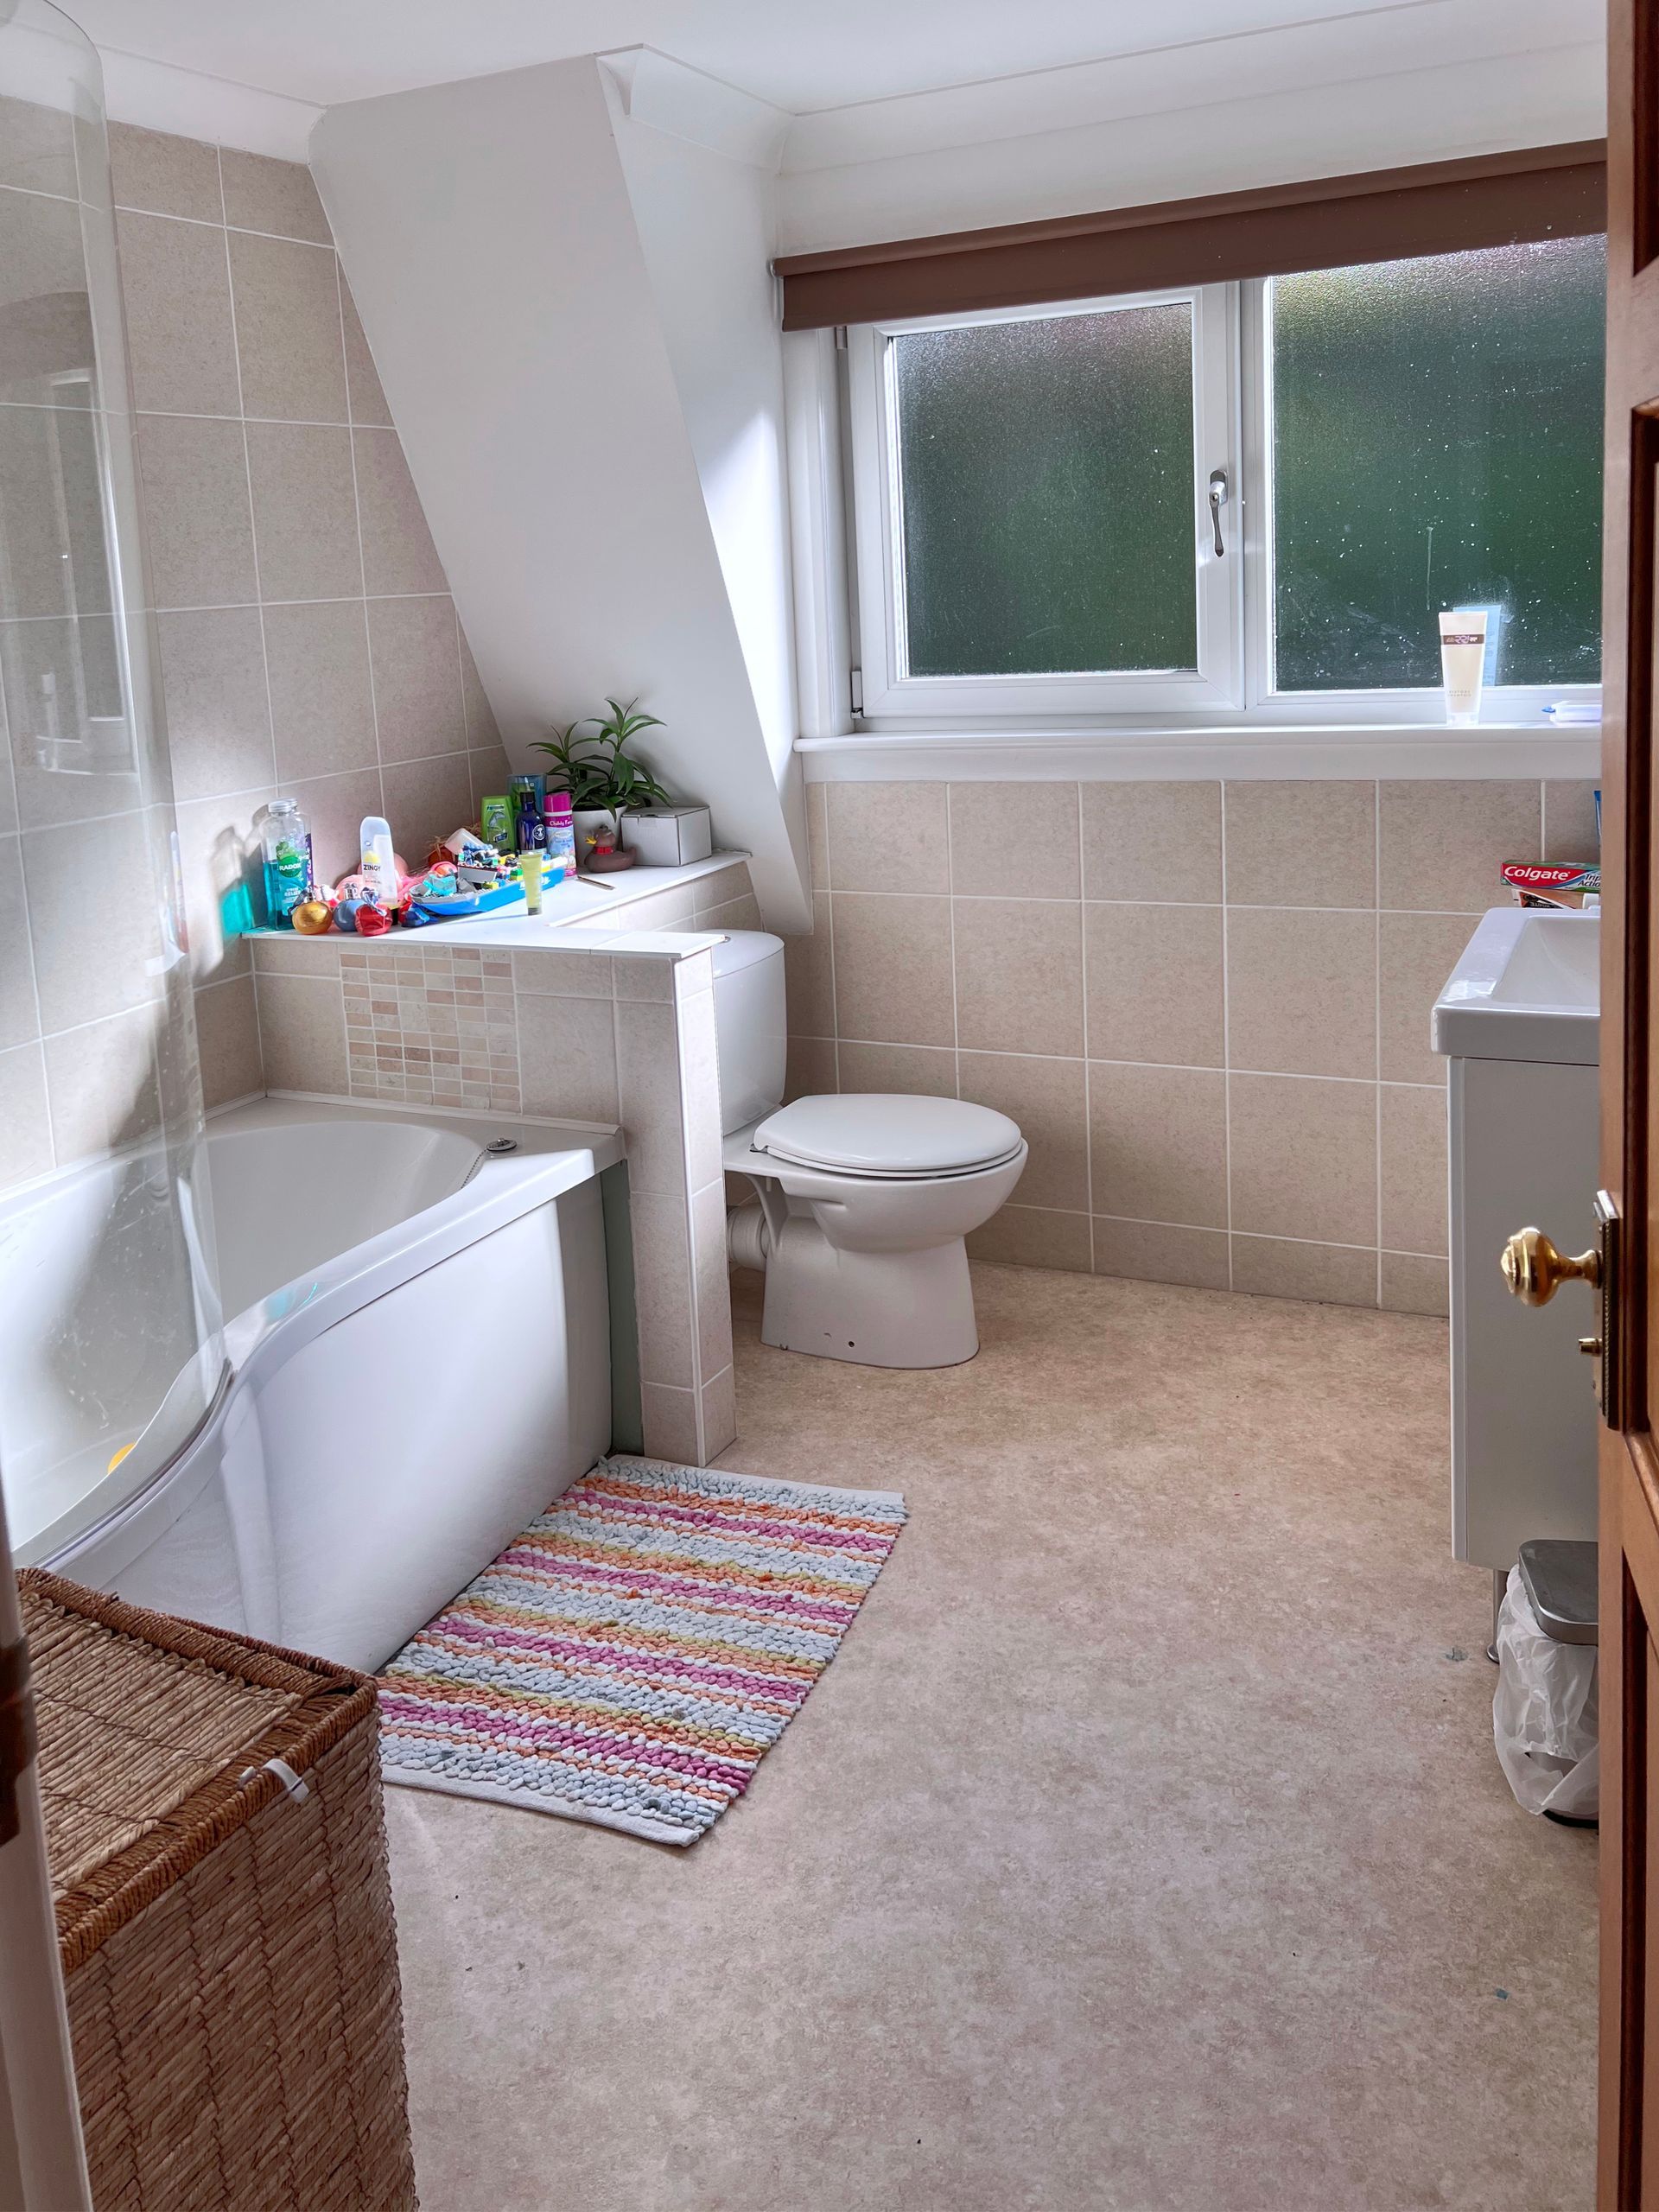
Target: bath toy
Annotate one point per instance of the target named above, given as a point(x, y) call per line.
point(372, 920)
point(312, 917)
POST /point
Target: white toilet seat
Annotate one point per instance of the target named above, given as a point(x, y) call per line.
point(887, 1136)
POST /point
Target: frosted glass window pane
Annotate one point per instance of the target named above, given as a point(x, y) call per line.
point(1437, 442)
point(1047, 502)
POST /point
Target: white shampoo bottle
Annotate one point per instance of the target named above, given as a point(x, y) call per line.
point(379, 866)
point(1463, 659)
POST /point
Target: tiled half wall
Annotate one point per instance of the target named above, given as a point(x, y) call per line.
point(1206, 1005)
point(571, 1033)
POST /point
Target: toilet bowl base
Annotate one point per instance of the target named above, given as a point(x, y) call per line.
point(875, 1309)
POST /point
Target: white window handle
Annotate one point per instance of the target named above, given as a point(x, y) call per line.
point(1218, 501)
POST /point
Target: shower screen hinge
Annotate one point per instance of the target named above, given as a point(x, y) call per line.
point(841, 338)
point(856, 689)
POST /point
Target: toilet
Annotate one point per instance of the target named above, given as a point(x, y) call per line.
point(866, 1198)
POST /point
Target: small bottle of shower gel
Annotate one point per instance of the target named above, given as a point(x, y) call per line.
point(378, 864)
point(560, 838)
point(286, 840)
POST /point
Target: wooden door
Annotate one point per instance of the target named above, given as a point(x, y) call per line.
point(1628, 2128)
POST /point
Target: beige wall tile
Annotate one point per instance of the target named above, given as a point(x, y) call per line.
point(1152, 840)
point(1441, 844)
point(1015, 841)
point(638, 976)
point(808, 976)
point(888, 837)
point(699, 1088)
point(1154, 983)
point(1157, 1143)
point(227, 1037)
point(1027, 1236)
point(219, 863)
point(719, 1410)
point(812, 1069)
point(41, 256)
point(1334, 1274)
point(425, 800)
point(561, 975)
point(1413, 1285)
point(335, 806)
point(304, 511)
point(1412, 1134)
point(567, 1059)
point(490, 773)
point(368, 401)
point(322, 712)
point(710, 1279)
point(93, 897)
point(196, 516)
point(218, 716)
point(33, 656)
point(662, 1290)
point(1019, 973)
point(1301, 991)
point(181, 340)
point(19, 1014)
point(39, 546)
point(153, 169)
point(25, 1122)
point(1149, 1251)
point(914, 1071)
point(1570, 831)
point(287, 331)
point(1047, 1099)
point(481, 728)
point(1303, 1157)
point(264, 194)
point(1417, 953)
point(648, 1070)
point(37, 147)
point(892, 970)
point(1301, 844)
point(101, 1085)
point(416, 679)
point(302, 1033)
point(817, 835)
point(399, 555)
point(668, 1421)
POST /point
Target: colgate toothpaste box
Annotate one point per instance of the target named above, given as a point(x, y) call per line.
point(1564, 885)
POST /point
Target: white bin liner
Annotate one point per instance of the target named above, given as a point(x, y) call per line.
point(1544, 1713)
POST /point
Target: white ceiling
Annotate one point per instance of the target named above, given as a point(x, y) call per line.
point(804, 56)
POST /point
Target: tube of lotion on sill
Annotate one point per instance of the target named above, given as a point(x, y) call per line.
point(1463, 658)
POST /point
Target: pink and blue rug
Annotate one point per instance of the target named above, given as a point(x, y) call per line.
point(631, 1658)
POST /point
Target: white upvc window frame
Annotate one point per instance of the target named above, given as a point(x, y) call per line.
point(1232, 688)
point(889, 693)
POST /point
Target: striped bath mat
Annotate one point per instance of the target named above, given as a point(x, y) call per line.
point(629, 1659)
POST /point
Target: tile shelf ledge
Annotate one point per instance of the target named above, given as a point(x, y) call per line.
point(1326, 753)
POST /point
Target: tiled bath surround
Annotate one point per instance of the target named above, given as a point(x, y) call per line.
point(307, 638)
point(1207, 1006)
point(588, 1029)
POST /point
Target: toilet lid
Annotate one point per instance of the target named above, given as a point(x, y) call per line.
point(875, 1133)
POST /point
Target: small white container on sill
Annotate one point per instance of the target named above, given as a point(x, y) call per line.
point(669, 836)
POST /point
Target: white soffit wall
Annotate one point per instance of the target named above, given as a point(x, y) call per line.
point(1261, 107)
point(491, 247)
point(159, 97)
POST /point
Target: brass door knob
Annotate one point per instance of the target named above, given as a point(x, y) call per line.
point(1534, 1270)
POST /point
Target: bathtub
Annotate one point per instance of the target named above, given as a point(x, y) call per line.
point(417, 1361)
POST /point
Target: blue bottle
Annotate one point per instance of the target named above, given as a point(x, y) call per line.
point(286, 837)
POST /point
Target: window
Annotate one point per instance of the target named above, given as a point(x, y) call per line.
point(1249, 499)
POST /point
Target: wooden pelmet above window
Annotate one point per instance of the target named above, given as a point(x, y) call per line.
point(1539, 192)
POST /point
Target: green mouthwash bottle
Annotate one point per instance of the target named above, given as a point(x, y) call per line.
point(287, 842)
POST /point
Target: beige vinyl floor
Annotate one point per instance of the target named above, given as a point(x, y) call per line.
point(1143, 1847)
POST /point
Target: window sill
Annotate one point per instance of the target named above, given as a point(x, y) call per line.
point(1328, 752)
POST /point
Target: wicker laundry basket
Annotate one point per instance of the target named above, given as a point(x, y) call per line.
point(227, 1943)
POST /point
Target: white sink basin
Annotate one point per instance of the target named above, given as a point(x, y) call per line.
point(1526, 987)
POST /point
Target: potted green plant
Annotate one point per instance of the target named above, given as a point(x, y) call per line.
point(601, 777)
